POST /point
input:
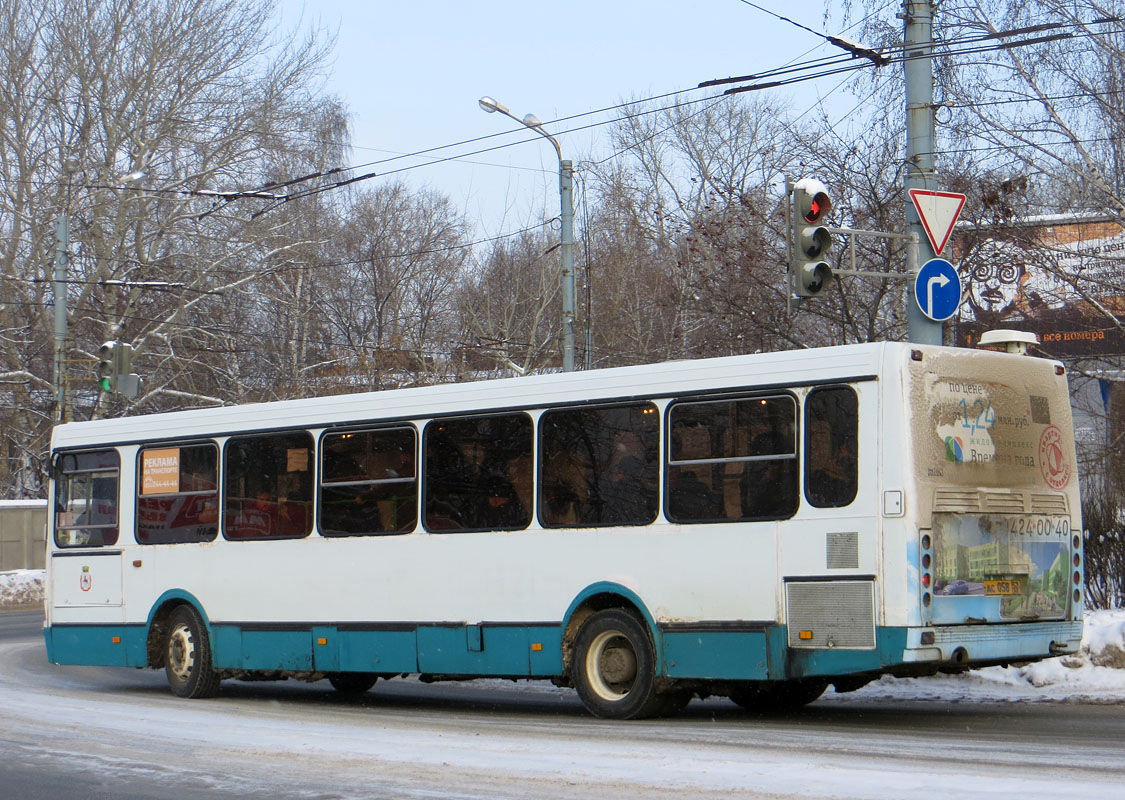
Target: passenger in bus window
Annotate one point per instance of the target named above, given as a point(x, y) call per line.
point(768, 485)
point(565, 489)
point(831, 479)
point(690, 497)
point(628, 494)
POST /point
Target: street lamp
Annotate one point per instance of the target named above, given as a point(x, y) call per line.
point(566, 201)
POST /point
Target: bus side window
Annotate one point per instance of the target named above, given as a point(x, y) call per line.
point(599, 466)
point(476, 477)
point(831, 447)
point(267, 486)
point(732, 459)
point(368, 483)
point(178, 494)
point(86, 489)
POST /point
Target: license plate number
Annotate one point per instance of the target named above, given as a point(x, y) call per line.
point(1008, 587)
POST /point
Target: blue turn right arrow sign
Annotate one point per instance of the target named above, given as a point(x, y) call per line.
point(937, 289)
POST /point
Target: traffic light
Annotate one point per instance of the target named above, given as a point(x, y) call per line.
point(115, 369)
point(128, 382)
point(123, 359)
point(810, 203)
point(107, 367)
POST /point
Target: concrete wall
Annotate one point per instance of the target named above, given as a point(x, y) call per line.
point(23, 525)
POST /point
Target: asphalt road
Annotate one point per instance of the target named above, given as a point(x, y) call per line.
point(86, 732)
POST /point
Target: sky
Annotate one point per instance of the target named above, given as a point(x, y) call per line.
point(412, 73)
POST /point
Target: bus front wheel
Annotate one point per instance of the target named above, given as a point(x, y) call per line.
point(187, 656)
point(614, 667)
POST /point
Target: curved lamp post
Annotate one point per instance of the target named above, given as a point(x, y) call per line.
point(566, 201)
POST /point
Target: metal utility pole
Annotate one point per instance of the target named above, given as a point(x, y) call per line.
point(566, 201)
point(62, 242)
point(566, 197)
point(920, 141)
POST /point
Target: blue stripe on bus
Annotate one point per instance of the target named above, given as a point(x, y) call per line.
point(526, 651)
point(890, 646)
point(507, 650)
point(97, 645)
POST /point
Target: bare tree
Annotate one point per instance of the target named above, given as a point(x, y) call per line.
point(387, 288)
point(511, 306)
point(198, 95)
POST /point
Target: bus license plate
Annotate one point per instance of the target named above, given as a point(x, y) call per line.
point(1002, 587)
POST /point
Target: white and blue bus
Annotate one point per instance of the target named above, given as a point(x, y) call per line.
point(756, 527)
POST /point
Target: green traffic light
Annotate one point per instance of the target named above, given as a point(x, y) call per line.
point(105, 384)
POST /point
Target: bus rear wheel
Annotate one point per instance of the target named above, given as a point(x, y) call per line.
point(352, 683)
point(614, 667)
point(772, 697)
point(187, 656)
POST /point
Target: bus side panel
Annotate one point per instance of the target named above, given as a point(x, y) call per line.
point(474, 650)
point(376, 651)
point(716, 655)
point(890, 643)
point(97, 645)
point(277, 648)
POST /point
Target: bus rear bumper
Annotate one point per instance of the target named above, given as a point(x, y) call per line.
point(982, 645)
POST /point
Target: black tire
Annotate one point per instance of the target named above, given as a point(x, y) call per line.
point(614, 667)
point(187, 656)
point(774, 697)
point(674, 701)
point(352, 684)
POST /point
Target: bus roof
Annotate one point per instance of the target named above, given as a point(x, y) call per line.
point(786, 368)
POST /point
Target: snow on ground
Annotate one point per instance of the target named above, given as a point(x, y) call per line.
point(21, 587)
point(1096, 674)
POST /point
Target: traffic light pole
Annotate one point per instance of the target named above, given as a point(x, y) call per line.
point(920, 141)
point(62, 242)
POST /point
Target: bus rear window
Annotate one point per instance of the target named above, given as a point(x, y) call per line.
point(86, 486)
point(368, 483)
point(267, 486)
point(178, 494)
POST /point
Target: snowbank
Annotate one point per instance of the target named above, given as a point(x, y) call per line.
point(21, 587)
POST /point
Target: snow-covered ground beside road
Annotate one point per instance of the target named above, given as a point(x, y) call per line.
point(21, 587)
point(1095, 675)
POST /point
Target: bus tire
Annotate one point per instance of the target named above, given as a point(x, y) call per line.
point(774, 697)
point(352, 684)
point(614, 667)
point(187, 656)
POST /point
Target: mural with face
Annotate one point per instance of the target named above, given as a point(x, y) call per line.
point(995, 282)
